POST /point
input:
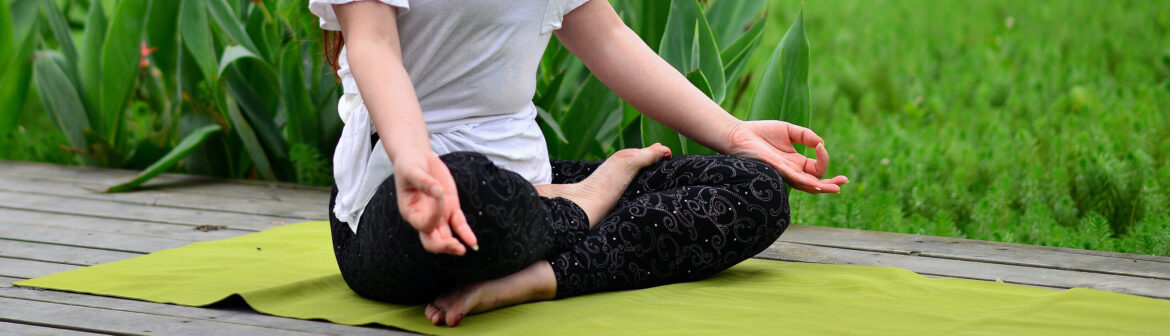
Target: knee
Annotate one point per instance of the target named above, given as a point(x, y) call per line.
point(760, 180)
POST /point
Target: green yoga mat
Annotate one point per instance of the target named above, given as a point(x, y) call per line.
point(289, 271)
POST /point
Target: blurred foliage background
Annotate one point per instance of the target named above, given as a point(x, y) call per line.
point(1038, 122)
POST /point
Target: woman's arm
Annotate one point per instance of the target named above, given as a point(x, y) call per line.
point(618, 57)
point(426, 191)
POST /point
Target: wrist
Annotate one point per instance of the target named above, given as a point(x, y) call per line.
point(731, 135)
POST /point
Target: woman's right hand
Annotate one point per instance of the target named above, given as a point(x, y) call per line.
point(428, 200)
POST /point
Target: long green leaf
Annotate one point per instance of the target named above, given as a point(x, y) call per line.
point(189, 143)
point(162, 33)
point(688, 45)
point(302, 121)
point(14, 81)
point(259, 112)
point(235, 53)
point(89, 67)
point(587, 115)
point(728, 18)
point(784, 92)
point(647, 18)
point(251, 144)
point(61, 98)
point(550, 124)
point(736, 56)
point(6, 34)
point(230, 23)
point(120, 55)
point(197, 38)
point(61, 32)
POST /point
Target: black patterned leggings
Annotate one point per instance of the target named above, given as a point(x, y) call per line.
point(681, 219)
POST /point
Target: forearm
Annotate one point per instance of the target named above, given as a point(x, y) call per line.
point(619, 58)
point(390, 98)
point(374, 55)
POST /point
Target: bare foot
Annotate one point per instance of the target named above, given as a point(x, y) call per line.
point(598, 193)
point(534, 283)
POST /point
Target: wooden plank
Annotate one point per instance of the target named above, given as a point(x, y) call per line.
point(98, 224)
point(27, 329)
point(60, 254)
point(102, 320)
point(786, 251)
point(81, 238)
point(170, 197)
point(28, 269)
point(983, 251)
point(278, 191)
point(135, 212)
point(233, 314)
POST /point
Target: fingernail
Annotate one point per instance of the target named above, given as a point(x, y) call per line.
point(817, 188)
point(666, 155)
point(475, 248)
point(458, 318)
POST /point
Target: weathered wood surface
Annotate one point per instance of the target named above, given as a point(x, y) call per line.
point(52, 220)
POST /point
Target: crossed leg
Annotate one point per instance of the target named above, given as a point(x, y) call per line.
point(678, 220)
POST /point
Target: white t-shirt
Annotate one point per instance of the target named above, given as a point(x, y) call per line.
point(473, 64)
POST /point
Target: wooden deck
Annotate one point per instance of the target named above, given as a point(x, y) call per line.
point(52, 221)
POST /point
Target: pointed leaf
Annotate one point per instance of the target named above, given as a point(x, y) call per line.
point(688, 45)
point(60, 98)
point(230, 23)
point(197, 38)
point(235, 53)
point(7, 44)
point(251, 144)
point(89, 67)
point(14, 80)
point(61, 32)
point(736, 56)
point(647, 18)
point(728, 19)
point(162, 33)
point(587, 114)
point(783, 92)
point(189, 143)
point(120, 55)
point(302, 121)
point(550, 124)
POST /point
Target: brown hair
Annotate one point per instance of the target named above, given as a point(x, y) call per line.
point(333, 41)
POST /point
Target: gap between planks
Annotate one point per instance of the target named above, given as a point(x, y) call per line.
point(221, 314)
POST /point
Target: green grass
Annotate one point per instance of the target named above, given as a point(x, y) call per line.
point(1036, 122)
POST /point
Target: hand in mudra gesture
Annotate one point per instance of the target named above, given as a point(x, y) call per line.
point(428, 200)
point(772, 141)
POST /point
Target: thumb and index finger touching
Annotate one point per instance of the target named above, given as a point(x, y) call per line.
point(433, 208)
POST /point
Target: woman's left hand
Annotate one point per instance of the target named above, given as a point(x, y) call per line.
point(772, 141)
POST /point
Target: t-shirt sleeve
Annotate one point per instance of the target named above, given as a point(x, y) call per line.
point(324, 9)
point(557, 9)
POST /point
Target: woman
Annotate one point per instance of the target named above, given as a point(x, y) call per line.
point(444, 190)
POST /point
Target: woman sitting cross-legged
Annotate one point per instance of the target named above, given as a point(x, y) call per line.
point(444, 190)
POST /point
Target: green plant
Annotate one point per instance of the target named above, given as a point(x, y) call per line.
point(709, 45)
point(238, 81)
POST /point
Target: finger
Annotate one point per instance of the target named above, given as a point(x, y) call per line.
point(804, 136)
point(795, 178)
point(463, 230)
point(453, 246)
point(822, 161)
point(838, 180)
point(817, 167)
